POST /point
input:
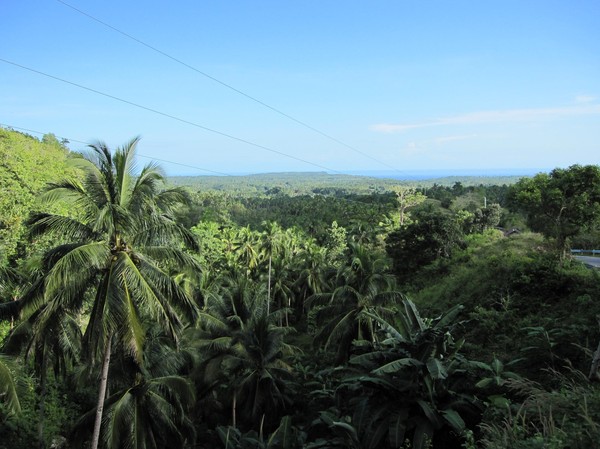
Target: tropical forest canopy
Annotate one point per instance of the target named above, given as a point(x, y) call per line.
point(292, 311)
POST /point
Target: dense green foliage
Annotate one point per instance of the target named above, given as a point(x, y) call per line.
point(319, 183)
point(560, 204)
point(310, 316)
point(26, 166)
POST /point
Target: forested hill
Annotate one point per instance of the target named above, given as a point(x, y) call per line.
point(293, 311)
point(303, 183)
point(26, 166)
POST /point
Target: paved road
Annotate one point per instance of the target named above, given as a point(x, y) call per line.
point(589, 260)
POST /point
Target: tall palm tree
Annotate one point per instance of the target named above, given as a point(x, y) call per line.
point(49, 338)
point(243, 349)
point(363, 288)
point(52, 342)
point(150, 406)
point(271, 244)
point(282, 288)
point(247, 249)
point(257, 361)
point(313, 272)
point(113, 248)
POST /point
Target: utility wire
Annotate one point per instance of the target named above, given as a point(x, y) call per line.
point(4, 125)
point(228, 86)
point(173, 117)
point(138, 154)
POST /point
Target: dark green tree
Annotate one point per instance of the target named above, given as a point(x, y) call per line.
point(431, 236)
point(559, 204)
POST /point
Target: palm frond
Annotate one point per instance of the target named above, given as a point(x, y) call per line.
point(8, 388)
point(169, 198)
point(76, 262)
point(211, 323)
point(133, 336)
point(68, 191)
point(166, 290)
point(68, 229)
point(124, 166)
point(118, 420)
point(103, 321)
point(151, 290)
point(178, 258)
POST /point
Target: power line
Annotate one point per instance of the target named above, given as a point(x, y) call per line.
point(173, 117)
point(138, 154)
point(226, 85)
point(148, 157)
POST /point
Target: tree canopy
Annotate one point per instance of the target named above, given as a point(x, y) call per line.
point(561, 203)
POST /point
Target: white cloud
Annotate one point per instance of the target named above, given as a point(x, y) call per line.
point(499, 116)
point(411, 148)
point(581, 99)
point(446, 139)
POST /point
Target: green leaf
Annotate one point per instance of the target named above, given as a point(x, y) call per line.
point(454, 419)
point(499, 401)
point(430, 413)
point(8, 390)
point(347, 427)
point(423, 435)
point(436, 369)
point(283, 436)
point(397, 365)
point(397, 429)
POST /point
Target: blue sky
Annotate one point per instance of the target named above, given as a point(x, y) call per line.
point(400, 85)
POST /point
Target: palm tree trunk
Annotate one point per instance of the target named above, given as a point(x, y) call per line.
point(262, 424)
point(593, 376)
point(101, 395)
point(269, 287)
point(233, 408)
point(42, 405)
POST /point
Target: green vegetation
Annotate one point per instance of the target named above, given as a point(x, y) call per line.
point(321, 183)
point(560, 204)
point(317, 313)
point(26, 166)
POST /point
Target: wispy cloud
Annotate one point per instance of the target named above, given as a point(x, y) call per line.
point(583, 99)
point(509, 115)
point(446, 139)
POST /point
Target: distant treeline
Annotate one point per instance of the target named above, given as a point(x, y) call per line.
point(322, 183)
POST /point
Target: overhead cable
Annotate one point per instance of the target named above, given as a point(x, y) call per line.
point(173, 117)
point(138, 154)
point(228, 86)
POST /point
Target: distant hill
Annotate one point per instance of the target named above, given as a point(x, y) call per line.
point(320, 183)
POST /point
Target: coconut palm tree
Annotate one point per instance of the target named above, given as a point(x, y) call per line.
point(52, 342)
point(313, 272)
point(242, 349)
point(271, 244)
point(50, 339)
point(247, 249)
point(363, 288)
point(112, 249)
point(151, 404)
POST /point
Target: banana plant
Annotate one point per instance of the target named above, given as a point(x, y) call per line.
point(408, 384)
